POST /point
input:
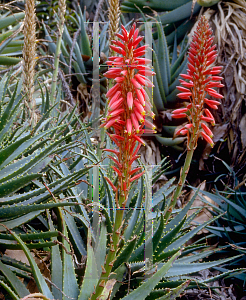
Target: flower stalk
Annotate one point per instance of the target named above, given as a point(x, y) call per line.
point(202, 78)
point(29, 57)
point(114, 18)
point(125, 122)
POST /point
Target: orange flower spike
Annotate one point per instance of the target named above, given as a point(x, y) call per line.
point(202, 78)
point(128, 103)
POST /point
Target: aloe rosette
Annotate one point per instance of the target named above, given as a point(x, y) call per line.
point(202, 77)
point(128, 107)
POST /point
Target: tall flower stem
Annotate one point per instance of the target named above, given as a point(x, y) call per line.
point(126, 120)
point(182, 178)
point(114, 18)
point(61, 16)
point(29, 56)
point(115, 239)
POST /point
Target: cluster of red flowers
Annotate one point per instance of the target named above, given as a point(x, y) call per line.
point(128, 105)
point(202, 78)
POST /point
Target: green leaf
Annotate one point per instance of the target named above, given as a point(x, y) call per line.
point(101, 247)
point(10, 20)
point(167, 240)
point(18, 287)
point(13, 223)
point(91, 273)
point(8, 289)
point(173, 294)
point(163, 58)
point(125, 254)
point(39, 279)
point(143, 291)
point(70, 285)
point(11, 186)
point(9, 61)
point(85, 43)
point(180, 13)
point(170, 141)
point(132, 222)
point(56, 266)
point(179, 269)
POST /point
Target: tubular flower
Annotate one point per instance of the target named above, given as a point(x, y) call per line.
point(128, 105)
point(202, 79)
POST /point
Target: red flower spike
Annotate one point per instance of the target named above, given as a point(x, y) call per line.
point(202, 78)
point(115, 113)
point(114, 97)
point(184, 131)
point(138, 115)
point(139, 107)
point(207, 119)
point(135, 122)
point(128, 102)
point(149, 124)
point(185, 76)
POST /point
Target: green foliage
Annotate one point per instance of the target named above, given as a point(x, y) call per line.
point(170, 258)
point(230, 227)
point(11, 41)
point(53, 195)
point(76, 51)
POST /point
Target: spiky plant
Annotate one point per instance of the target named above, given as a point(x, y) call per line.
point(29, 57)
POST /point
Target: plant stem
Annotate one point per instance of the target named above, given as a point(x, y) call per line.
point(114, 243)
point(184, 172)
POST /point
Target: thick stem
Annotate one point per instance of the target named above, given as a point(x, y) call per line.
point(184, 172)
point(114, 243)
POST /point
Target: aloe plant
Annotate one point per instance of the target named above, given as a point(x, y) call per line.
point(80, 230)
point(26, 154)
point(176, 16)
point(80, 63)
point(167, 241)
point(230, 227)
